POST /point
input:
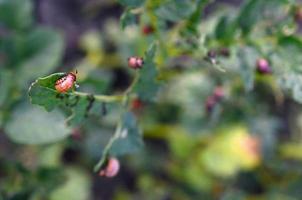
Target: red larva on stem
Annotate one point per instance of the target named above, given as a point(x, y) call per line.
point(112, 168)
point(65, 83)
point(135, 62)
point(147, 30)
point(136, 104)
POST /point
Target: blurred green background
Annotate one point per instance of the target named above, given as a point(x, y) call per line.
point(218, 127)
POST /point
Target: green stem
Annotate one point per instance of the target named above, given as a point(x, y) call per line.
point(124, 99)
point(103, 98)
point(107, 148)
point(135, 80)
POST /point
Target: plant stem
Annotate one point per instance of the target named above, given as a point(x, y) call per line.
point(102, 98)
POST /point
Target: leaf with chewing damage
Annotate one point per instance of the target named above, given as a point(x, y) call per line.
point(42, 92)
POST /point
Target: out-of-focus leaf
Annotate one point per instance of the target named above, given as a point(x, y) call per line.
point(289, 51)
point(175, 10)
point(180, 143)
point(127, 19)
point(250, 14)
point(146, 87)
point(76, 187)
point(132, 3)
point(50, 156)
point(292, 42)
point(297, 90)
point(50, 178)
point(194, 20)
point(247, 61)
point(127, 139)
point(44, 48)
point(32, 125)
point(16, 14)
point(287, 62)
point(291, 151)
point(230, 152)
point(254, 10)
point(292, 82)
point(225, 29)
point(233, 195)
point(5, 85)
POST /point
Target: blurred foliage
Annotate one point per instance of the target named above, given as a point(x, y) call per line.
point(214, 125)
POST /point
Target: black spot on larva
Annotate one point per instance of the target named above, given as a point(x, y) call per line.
point(90, 99)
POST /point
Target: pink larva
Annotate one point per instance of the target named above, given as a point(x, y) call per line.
point(135, 62)
point(66, 82)
point(111, 169)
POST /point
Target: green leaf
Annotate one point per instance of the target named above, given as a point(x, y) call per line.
point(225, 29)
point(32, 125)
point(42, 92)
point(255, 10)
point(132, 3)
point(250, 14)
point(146, 87)
point(287, 61)
point(175, 10)
point(44, 51)
point(77, 186)
point(127, 139)
point(297, 90)
point(127, 19)
point(16, 14)
point(194, 19)
point(247, 60)
point(80, 109)
point(292, 82)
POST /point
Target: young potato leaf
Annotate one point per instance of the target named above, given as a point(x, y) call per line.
point(127, 139)
point(146, 87)
point(127, 19)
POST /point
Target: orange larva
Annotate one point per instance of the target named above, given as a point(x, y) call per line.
point(65, 83)
point(112, 168)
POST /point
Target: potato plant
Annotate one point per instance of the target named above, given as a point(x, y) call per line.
point(213, 90)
